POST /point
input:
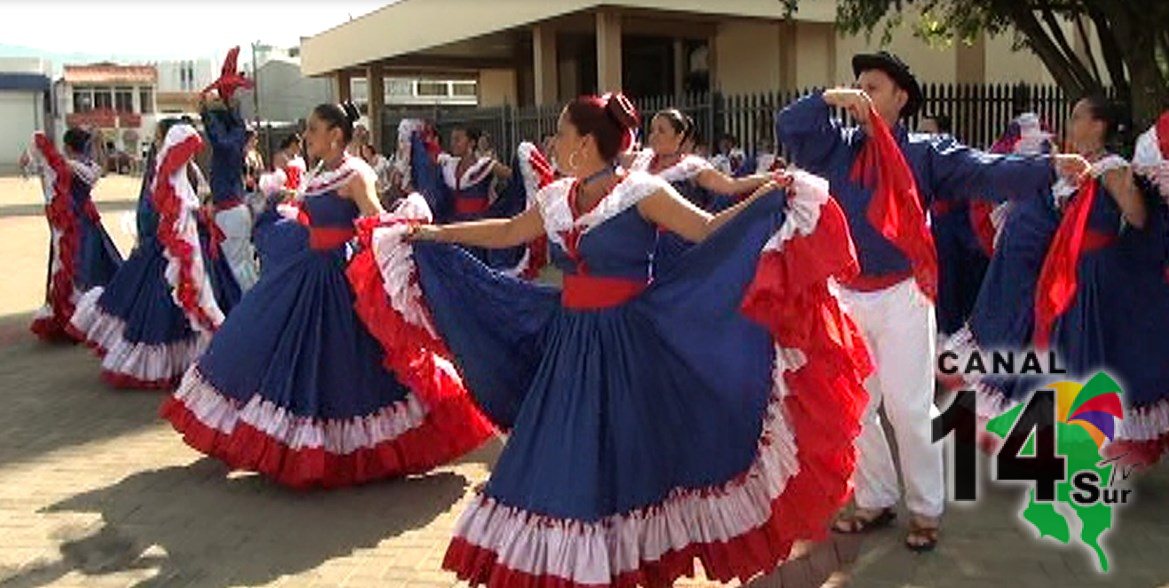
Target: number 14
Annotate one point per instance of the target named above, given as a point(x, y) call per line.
point(1043, 466)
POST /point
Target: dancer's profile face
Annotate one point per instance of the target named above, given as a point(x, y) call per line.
point(320, 138)
point(887, 97)
point(572, 148)
point(1083, 129)
point(460, 143)
point(663, 138)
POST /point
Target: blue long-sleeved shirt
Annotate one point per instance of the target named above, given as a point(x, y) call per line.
point(943, 169)
point(228, 137)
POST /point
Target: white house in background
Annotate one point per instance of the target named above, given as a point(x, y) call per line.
point(180, 81)
point(285, 95)
point(117, 100)
point(25, 106)
point(416, 91)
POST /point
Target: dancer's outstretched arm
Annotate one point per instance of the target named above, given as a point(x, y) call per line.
point(715, 181)
point(496, 233)
point(669, 209)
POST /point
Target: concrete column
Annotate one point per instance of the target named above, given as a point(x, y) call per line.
point(712, 63)
point(608, 51)
point(377, 101)
point(970, 62)
point(788, 55)
point(544, 60)
point(341, 90)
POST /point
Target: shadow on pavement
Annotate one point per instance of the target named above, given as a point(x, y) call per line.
point(107, 207)
point(54, 398)
point(201, 528)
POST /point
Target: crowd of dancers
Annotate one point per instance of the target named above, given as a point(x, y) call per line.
point(705, 384)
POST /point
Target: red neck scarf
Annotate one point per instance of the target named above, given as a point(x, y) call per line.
point(1163, 134)
point(895, 208)
point(1057, 280)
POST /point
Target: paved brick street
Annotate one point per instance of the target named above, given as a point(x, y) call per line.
point(96, 491)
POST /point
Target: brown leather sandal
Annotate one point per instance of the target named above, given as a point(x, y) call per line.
point(855, 524)
point(922, 538)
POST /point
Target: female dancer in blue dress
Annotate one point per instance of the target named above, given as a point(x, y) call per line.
point(651, 424)
point(293, 385)
point(1083, 274)
point(81, 253)
point(230, 222)
point(156, 315)
point(458, 185)
point(695, 178)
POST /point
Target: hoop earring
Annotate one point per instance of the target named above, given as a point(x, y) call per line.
point(572, 161)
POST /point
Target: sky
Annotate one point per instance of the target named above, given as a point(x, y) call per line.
point(151, 31)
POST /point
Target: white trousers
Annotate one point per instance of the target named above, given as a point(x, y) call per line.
point(236, 224)
point(898, 325)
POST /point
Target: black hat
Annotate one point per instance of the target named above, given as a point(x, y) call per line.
point(896, 69)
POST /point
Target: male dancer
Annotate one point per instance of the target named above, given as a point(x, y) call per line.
point(893, 298)
point(227, 133)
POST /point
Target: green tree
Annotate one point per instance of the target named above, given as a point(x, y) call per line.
point(1128, 40)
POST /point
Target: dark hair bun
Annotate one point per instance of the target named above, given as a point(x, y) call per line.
point(77, 139)
point(622, 110)
point(351, 111)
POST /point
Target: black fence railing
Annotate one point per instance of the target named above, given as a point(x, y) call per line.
point(979, 114)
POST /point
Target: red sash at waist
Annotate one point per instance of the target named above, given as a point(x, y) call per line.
point(228, 204)
point(1095, 240)
point(326, 238)
point(595, 292)
point(863, 283)
point(941, 207)
point(464, 205)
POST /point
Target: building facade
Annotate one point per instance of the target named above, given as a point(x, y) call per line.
point(285, 95)
point(117, 101)
point(521, 52)
point(179, 84)
point(25, 106)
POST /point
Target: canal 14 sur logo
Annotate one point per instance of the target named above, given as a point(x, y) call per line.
point(1051, 440)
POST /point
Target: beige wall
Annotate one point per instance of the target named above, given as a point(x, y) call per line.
point(1004, 66)
point(497, 87)
point(815, 62)
point(930, 64)
point(754, 56)
point(747, 57)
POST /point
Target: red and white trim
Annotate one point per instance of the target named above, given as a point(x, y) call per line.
point(88, 171)
point(202, 401)
point(404, 438)
point(537, 173)
point(436, 423)
point(475, 173)
point(51, 321)
point(535, 169)
point(330, 180)
point(685, 169)
point(1151, 156)
point(557, 213)
point(746, 526)
point(132, 365)
point(617, 550)
point(406, 129)
point(178, 209)
point(273, 183)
